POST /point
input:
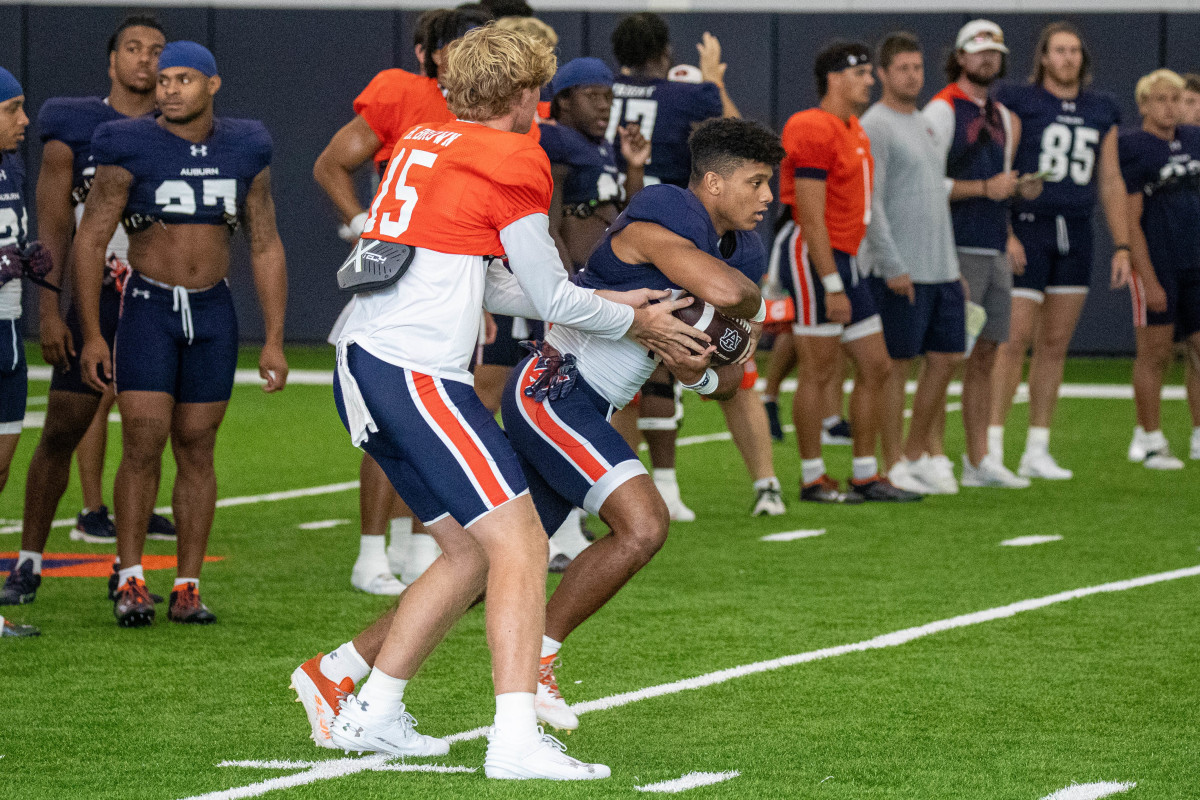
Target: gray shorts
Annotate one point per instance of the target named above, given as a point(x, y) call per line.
point(991, 281)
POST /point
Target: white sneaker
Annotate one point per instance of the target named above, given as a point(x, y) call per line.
point(1195, 450)
point(547, 759)
point(381, 583)
point(320, 697)
point(1162, 460)
point(936, 472)
point(354, 730)
point(902, 477)
point(990, 474)
point(1137, 447)
point(768, 502)
point(675, 507)
point(1042, 465)
point(549, 704)
point(422, 551)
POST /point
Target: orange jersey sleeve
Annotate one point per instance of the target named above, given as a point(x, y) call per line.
point(453, 187)
point(396, 100)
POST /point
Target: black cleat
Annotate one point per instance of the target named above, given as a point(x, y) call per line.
point(9, 628)
point(94, 527)
point(559, 563)
point(825, 490)
point(160, 529)
point(772, 409)
point(837, 433)
point(133, 606)
point(880, 490)
point(112, 586)
point(187, 608)
point(20, 586)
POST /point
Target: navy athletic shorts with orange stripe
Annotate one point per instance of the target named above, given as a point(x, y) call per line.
point(571, 454)
point(437, 443)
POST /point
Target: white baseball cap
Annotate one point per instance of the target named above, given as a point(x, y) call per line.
point(979, 35)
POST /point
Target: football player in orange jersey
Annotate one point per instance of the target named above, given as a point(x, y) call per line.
point(454, 196)
point(391, 103)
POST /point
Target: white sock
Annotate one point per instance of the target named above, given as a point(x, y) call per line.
point(30, 555)
point(516, 721)
point(372, 549)
point(401, 529)
point(1155, 440)
point(770, 398)
point(812, 469)
point(130, 572)
point(995, 440)
point(382, 695)
point(549, 646)
point(569, 538)
point(345, 662)
point(180, 581)
point(829, 422)
point(865, 468)
point(767, 483)
point(1037, 441)
point(1196, 432)
point(666, 476)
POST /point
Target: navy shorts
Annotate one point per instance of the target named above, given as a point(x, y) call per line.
point(935, 323)
point(1182, 288)
point(437, 443)
point(68, 377)
point(506, 351)
point(801, 281)
point(1058, 255)
point(181, 342)
point(571, 454)
point(14, 378)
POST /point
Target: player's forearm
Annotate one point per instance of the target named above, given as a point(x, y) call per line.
point(728, 109)
point(635, 179)
point(733, 294)
point(1113, 199)
point(338, 184)
point(88, 277)
point(270, 282)
point(965, 190)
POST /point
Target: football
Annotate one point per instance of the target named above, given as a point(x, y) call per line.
point(730, 336)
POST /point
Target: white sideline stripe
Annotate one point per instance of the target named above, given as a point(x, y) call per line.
point(691, 780)
point(316, 771)
point(301, 377)
point(1025, 541)
point(336, 768)
point(1089, 791)
point(322, 524)
point(788, 536)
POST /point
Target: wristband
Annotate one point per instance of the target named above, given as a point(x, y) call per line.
point(761, 316)
point(707, 383)
point(832, 283)
point(1120, 247)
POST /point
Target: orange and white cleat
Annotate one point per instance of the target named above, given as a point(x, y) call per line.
point(548, 702)
point(320, 698)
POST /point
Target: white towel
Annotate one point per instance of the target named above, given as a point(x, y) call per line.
point(358, 416)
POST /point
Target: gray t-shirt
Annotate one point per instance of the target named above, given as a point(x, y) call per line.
point(910, 230)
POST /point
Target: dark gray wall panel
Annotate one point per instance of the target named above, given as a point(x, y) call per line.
point(1183, 34)
point(273, 72)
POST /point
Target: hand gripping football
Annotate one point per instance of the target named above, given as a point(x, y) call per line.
point(730, 336)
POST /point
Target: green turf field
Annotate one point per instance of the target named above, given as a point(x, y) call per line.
point(1104, 688)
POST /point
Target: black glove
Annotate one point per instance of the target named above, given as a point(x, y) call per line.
point(38, 264)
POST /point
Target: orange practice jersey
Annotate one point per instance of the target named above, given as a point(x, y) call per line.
point(396, 100)
point(820, 145)
point(452, 187)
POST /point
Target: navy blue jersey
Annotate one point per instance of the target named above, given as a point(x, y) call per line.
point(666, 111)
point(1168, 176)
point(682, 213)
point(594, 177)
point(178, 182)
point(73, 121)
point(14, 221)
point(1061, 138)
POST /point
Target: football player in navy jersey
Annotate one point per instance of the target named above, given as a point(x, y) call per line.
point(15, 250)
point(76, 416)
point(1069, 138)
point(180, 184)
point(1161, 166)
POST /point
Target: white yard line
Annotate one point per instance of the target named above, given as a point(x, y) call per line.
point(322, 524)
point(336, 768)
point(1089, 791)
point(788, 536)
point(691, 780)
point(1025, 541)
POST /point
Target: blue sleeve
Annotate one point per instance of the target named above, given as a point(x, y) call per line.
point(109, 147)
point(1009, 94)
point(660, 204)
point(552, 142)
point(708, 101)
point(52, 120)
point(261, 146)
point(1131, 167)
point(1114, 109)
point(750, 258)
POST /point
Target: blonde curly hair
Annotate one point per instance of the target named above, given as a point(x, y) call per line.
point(487, 70)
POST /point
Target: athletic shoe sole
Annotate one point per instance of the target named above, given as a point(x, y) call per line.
point(136, 619)
point(78, 535)
point(318, 713)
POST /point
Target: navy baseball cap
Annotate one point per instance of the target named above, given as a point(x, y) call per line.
point(581, 72)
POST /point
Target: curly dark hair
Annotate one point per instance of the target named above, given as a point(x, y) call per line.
point(639, 39)
point(507, 8)
point(721, 145)
point(133, 21)
point(443, 27)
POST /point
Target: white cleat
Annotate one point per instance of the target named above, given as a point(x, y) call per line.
point(990, 474)
point(1043, 465)
point(936, 472)
point(355, 730)
point(901, 476)
point(544, 758)
point(320, 698)
point(769, 502)
point(1137, 446)
point(549, 704)
point(383, 583)
point(422, 551)
point(1162, 460)
point(675, 507)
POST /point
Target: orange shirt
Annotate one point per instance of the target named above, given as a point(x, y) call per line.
point(452, 187)
point(820, 145)
point(396, 100)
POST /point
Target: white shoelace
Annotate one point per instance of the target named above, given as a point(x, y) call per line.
point(184, 307)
